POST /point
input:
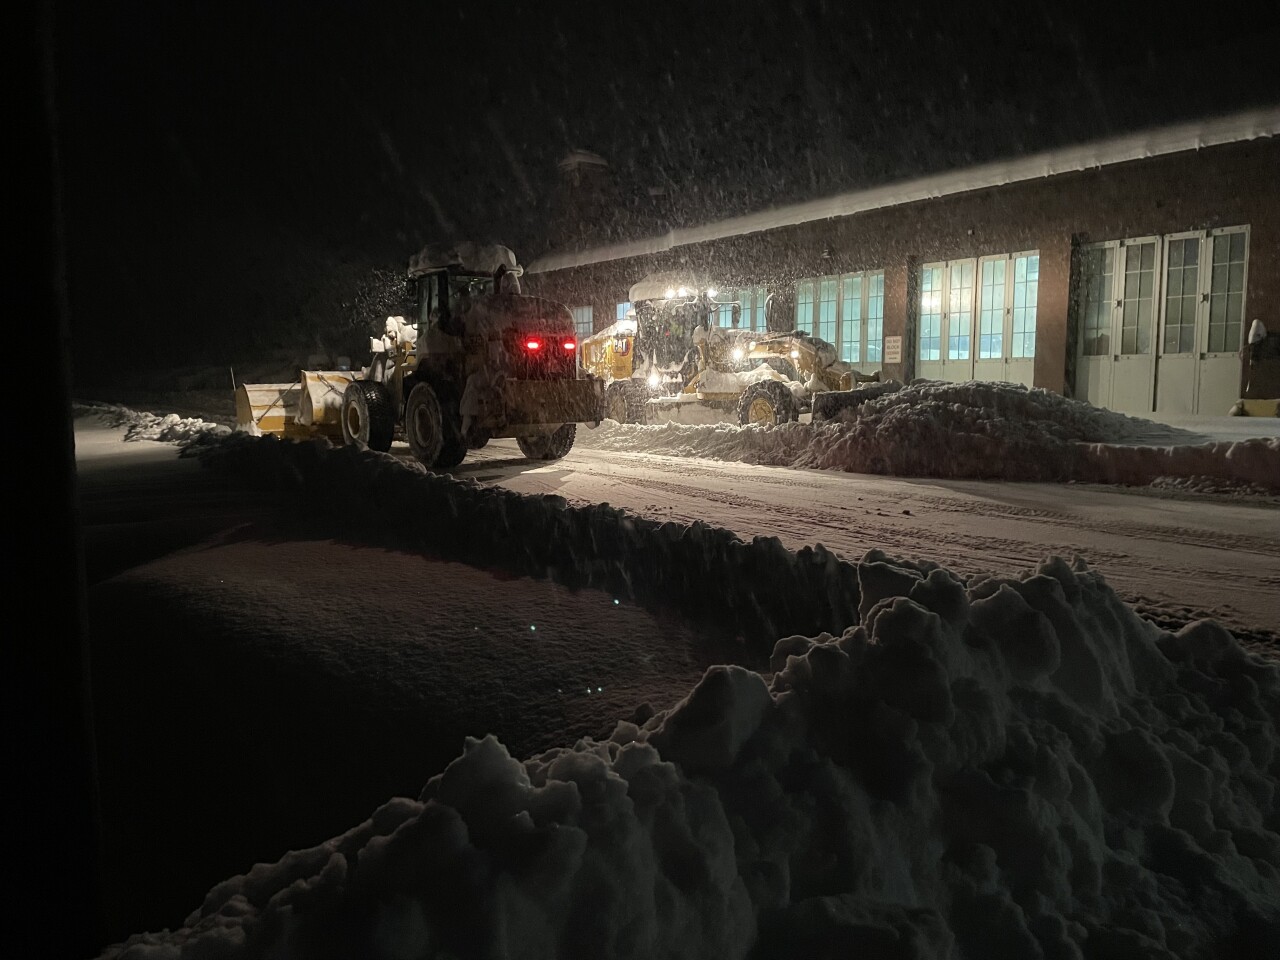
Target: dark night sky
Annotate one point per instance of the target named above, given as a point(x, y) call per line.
point(219, 154)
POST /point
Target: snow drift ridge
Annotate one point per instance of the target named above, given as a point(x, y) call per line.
point(757, 591)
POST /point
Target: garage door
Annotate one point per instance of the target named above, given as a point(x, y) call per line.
point(1161, 321)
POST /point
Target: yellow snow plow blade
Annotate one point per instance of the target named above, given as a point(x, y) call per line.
point(310, 407)
point(320, 400)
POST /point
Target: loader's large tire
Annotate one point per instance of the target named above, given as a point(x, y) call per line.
point(624, 402)
point(767, 402)
point(453, 448)
point(431, 426)
point(367, 415)
point(550, 446)
point(423, 424)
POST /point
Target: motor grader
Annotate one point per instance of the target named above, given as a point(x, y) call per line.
point(477, 360)
point(669, 360)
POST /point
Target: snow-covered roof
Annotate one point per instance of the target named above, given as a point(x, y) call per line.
point(1197, 135)
point(576, 159)
point(473, 257)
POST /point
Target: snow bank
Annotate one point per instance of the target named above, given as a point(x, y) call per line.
point(756, 591)
point(1007, 767)
point(169, 428)
point(983, 430)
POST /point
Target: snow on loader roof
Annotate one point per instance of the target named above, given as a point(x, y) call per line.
point(471, 257)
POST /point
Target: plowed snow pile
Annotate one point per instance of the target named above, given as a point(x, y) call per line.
point(1001, 767)
point(169, 428)
point(989, 430)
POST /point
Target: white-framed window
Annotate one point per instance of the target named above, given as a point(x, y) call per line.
point(1026, 298)
point(931, 311)
point(623, 308)
point(1228, 261)
point(999, 292)
point(960, 277)
point(1177, 294)
point(752, 300)
point(583, 323)
point(847, 311)
point(1181, 293)
point(851, 318)
point(875, 316)
point(804, 306)
point(825, 324)
point(1138, 311)
point(1097, 278)
point(1118, 276)
point(991, 276)
point(722, 316)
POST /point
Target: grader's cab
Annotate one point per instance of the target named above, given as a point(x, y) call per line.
point(475, 360)
point(681, 355)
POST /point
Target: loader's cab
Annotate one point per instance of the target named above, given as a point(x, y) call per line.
point(441, 298)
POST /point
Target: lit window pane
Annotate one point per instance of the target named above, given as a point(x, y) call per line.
point(960, 310)
point(875, 317)
point(1026, 293)
point(804, 306)
point(851, 319)
point(931, 313)
point(583, 323)
point(991, 310)
point(826, 329)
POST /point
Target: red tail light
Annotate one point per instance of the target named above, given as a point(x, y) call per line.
point(533, 345)
point(570, 345)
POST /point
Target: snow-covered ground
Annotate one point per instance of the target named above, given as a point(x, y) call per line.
point(1017, 765)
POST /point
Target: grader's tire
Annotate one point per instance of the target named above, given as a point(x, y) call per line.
point(624, 402)
point(367, 415)
point(551, 446)
point(767, 403)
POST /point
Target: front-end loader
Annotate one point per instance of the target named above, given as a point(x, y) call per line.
point(477, 360)
point(669, 360)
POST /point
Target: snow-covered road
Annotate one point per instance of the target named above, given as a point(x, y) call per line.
point(1173, 557)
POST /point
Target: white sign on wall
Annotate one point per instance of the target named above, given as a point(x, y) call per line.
point(892, 349)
